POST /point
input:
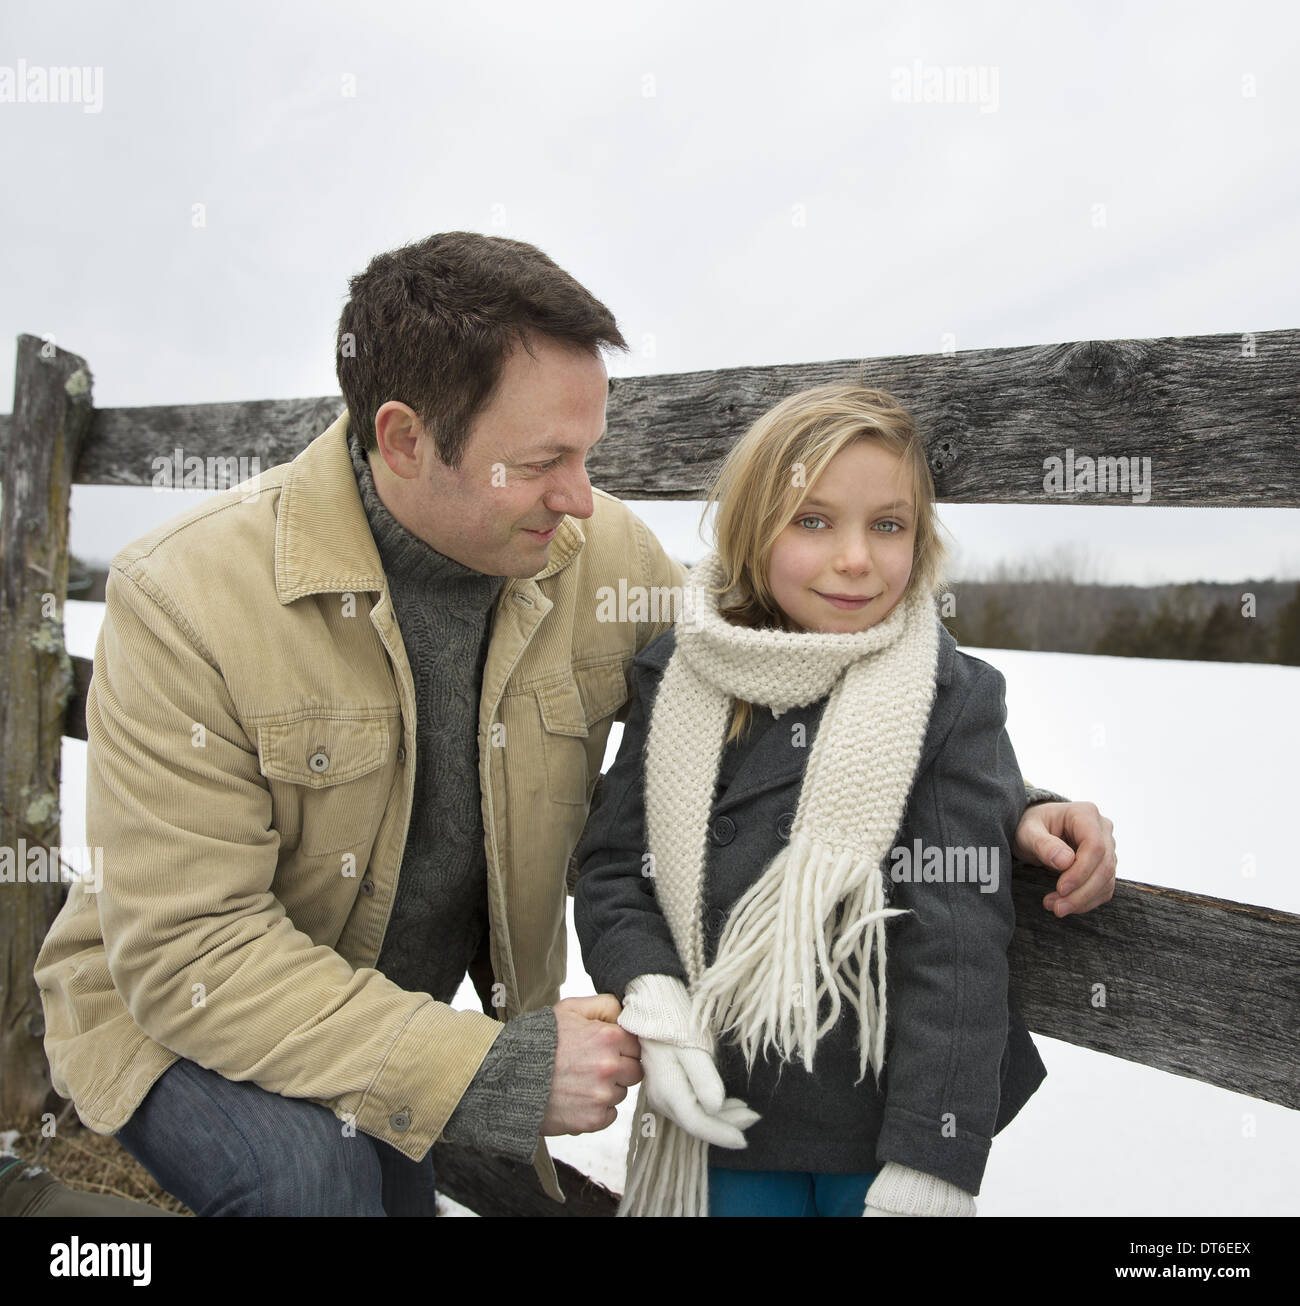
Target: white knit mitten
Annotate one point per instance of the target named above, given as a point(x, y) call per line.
point(681, 1078)
point(900, 1190)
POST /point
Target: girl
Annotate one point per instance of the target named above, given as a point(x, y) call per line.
point(804, 748)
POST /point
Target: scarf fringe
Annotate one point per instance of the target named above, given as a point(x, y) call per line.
point(826, 906)
point(667, 1169)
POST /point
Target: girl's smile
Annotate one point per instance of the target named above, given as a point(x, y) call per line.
point(848, 601)
point(843, 562)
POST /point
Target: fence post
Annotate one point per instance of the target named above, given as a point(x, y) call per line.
point(51, 416)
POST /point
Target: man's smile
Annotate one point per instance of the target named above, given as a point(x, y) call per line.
point(544, 536)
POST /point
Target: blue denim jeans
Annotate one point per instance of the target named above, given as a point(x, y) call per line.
point(786, 1192)
point(227, 1147)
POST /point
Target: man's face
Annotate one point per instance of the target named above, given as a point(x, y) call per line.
point(523, 467)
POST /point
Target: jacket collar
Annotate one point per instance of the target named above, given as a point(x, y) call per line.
point(323, 543)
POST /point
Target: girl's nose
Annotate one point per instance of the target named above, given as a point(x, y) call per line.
point(855, 555)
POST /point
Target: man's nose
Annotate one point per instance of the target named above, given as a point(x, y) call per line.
point(572, 496)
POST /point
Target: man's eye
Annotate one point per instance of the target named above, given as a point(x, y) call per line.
point(545, 467)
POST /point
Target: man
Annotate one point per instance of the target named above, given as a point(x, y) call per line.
point(344, 730)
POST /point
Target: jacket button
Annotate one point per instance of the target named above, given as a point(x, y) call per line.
point(401, 753)
point(785, 825)
point(715, 922)
point(319, 762)
point(368, 887)
point(400, 1121)
point(724, 830)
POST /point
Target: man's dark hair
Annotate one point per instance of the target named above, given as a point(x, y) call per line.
point(432, 323)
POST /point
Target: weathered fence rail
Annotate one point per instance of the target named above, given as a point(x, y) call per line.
point(1197, 986)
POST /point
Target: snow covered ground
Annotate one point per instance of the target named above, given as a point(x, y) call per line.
point(1194, 763)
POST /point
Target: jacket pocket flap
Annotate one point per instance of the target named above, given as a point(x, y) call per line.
point(561, 708)
point(602, 688)
point(318, 751)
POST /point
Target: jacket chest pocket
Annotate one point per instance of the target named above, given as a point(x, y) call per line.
point(330, 776)
point(569, 709)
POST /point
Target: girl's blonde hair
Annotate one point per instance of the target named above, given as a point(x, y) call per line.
point(771, 469)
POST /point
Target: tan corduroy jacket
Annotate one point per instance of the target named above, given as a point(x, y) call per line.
point(251, 771)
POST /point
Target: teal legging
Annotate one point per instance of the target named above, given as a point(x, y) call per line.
point(786, 1192)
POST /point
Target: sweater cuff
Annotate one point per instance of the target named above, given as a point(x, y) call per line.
point(501, 1111)
point(1033, 794)
point(901, 1190)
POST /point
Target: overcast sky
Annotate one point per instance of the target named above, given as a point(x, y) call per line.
point(740, 184)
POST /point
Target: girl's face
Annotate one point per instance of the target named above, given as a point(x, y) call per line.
point(843, 561)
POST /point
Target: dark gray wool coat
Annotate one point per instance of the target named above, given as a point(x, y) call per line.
point(959, 1062)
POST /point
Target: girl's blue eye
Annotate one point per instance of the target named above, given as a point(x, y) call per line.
point(800, 521)
point(894, 524)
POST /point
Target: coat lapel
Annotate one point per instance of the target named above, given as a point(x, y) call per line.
point(773, 758)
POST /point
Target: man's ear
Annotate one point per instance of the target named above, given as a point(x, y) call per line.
point(399, 431)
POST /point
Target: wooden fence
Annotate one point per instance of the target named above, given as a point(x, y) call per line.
point(1199, 986)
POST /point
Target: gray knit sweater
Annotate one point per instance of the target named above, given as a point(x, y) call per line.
point(439, 920)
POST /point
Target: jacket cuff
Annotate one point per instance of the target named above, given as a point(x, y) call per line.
point(428, 1068)
point(501, 1111)
point(926, 1144)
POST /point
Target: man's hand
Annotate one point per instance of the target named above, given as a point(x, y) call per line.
point(596, 1062)
point(1076, 839)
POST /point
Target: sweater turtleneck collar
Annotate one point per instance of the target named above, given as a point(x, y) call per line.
point(407, 557)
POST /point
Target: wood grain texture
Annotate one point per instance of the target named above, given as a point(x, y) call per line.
point(1218, 416)
point(1201, 987)
point(52, 408)
point(493, 1186)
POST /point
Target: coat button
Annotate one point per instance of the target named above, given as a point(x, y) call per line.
point(724, 830)
point(784, 825)
point(368, 887)
point(319, 762)
point(401, 753)
point(400, 1121)
point(715, 922)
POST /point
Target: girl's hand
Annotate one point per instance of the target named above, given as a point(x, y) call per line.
point(1077, 840)
point(684, 1085)
point(681, 1077)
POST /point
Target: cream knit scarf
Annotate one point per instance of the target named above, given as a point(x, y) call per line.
point(805, 930)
